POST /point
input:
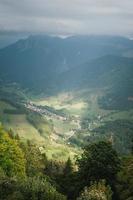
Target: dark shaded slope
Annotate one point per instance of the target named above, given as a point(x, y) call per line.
point(51, 64)
point(113, 73)
point(38, 60)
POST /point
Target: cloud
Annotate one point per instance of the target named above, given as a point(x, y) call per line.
point(67, 16)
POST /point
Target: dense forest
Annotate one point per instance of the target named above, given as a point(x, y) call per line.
point(99, 173)
point(66, 100)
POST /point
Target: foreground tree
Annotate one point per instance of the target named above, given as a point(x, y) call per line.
point(34, 160)
point(12, 160)
point(97, 191)
point(66, 179)
point(98, 161)
point(125, 179)
point(34, 188)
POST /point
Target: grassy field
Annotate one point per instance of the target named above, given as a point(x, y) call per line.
point(77, 105)
point(19, 125)
point(83, 104)
point(63, 126)
point(61, 151)
point(67, 101)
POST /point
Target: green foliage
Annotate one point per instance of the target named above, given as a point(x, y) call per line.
point(34, 160)
point(2, 173)
point(35, 119)
point(97, 191)
point(53, 168)
point(68, 169)
point(26, 173)
point(121, 133)
point(98, 161)
point(125, 179)
point(43, 126)
point(29, 188)
point(22, 171)
point(14, 111)
point(12, 159)
point(36, 188)
point(66, 179)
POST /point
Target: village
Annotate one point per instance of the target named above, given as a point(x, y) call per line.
point(50, 115)
point(43, 111)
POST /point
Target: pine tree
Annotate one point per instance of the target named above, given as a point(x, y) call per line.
point(98, 161)
point(68, 169)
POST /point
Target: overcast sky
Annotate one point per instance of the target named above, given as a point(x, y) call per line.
point(65, 17)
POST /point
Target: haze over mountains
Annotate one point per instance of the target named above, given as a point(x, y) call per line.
point(65, 94)
point(52, 64)
point(66, 100)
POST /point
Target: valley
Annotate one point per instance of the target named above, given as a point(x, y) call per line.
point(64, 123)
point(67, 102)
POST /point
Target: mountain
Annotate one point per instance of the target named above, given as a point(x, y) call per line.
point(67, 91)
point(52, 64)
point(114, 74)
point(37, 61)
point(96, 72)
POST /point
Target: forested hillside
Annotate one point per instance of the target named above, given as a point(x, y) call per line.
point(66, 109)
point(26, 173)
point(29, 62)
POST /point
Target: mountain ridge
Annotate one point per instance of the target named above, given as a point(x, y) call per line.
point(52, 64)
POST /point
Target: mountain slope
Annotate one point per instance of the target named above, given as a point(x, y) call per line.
point(87, 79)
point(51, 64)
point(112, 73)
point(37, 61)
